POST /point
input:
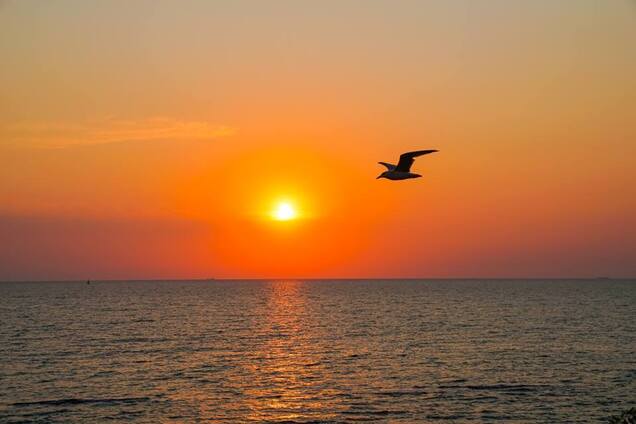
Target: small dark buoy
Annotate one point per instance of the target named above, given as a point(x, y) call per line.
point(88, 281)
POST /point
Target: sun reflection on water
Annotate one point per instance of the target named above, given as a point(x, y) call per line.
point(288, 367)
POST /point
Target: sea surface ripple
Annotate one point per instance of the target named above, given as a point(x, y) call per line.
point(399, 351)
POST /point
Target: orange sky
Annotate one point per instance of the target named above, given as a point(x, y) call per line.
point(154, 140)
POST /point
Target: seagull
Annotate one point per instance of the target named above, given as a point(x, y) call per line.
point(402, 170)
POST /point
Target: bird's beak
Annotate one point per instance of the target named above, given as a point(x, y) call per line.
point(378, 177)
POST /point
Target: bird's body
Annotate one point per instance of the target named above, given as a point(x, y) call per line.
point(397, 175)
point(402, 171)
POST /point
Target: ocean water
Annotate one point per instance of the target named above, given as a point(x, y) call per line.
point(547, 351)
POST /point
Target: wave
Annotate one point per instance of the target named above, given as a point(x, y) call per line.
point(79, 401)
point(497, 387)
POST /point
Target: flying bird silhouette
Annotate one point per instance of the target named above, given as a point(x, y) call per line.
point(402, 171)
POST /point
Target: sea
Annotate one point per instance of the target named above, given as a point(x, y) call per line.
point(312, 351)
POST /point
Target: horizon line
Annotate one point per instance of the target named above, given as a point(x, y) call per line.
point(257, 279)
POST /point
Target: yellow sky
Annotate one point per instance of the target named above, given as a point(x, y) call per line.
point(152, 139)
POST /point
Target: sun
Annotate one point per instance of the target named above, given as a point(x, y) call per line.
point(284, 211)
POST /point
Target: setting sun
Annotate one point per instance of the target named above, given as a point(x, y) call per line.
point(284, 211)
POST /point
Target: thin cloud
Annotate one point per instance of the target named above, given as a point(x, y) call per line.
point(46, 134)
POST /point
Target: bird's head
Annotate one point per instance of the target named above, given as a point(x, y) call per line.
point(382, 175)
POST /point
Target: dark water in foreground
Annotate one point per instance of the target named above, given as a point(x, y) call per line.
point(317, 351)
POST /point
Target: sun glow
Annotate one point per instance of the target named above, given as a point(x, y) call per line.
point(284, 211)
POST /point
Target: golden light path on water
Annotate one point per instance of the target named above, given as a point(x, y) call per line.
point(282, 381)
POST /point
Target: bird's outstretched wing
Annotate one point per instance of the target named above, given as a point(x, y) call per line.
point(407, 159)
point(388, 166)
